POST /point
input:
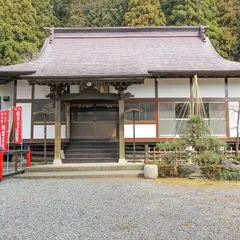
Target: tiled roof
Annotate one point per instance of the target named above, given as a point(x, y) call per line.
point(108, 52)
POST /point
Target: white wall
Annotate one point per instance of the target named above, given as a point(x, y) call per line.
point(74, 88)
point(141, 130)
point(26, 119)
point(113, 90)
point(212, 87)
point(173, 87)
point(234, 87)
point(38, 131)
point(7, 90)
point(41, 92)
point(233, 107)
point(146, 90)
point(24, 90)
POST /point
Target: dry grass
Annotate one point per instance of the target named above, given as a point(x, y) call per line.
point(199, 183)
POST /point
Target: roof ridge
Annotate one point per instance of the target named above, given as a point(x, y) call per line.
point(123, 29)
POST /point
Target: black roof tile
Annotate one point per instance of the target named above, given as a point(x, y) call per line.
point(99, 52)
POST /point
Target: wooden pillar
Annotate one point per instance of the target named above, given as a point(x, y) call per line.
point(121, 132)
point(67, 107)
point(57, 143)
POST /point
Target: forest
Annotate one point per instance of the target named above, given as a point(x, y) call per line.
point(22, 21)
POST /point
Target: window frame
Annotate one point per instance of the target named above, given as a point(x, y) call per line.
point(138, 120)
point(46, 101)
point(175, 119)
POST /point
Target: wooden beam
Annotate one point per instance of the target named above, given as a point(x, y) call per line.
point(15, 93)
point(32, 110)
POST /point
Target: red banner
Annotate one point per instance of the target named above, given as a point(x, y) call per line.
point(17, 123)
point(4, 117)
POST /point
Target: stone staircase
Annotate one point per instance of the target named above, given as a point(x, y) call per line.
point(83, 170)
point(91, 151)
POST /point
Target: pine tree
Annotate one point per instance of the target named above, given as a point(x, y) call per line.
point(18, 39)
point(44, 18)
point(167, 7)
point(60, 10)
point(21, 29)
point(203, 12)
point(78, 13)
point(109, 13)
point(97, 13)
point(228, 21)
point(144, 13)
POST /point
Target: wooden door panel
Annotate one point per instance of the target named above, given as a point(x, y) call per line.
point(82, 130)
point(93, 123)
point(106, 130)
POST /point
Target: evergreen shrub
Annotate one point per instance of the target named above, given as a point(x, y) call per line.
point(237, 158)
point(166, 170)
point(212, 171)
point(210, 157)
point(231, 176)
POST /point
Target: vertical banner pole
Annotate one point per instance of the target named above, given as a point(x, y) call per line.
point(45, 137)
point(1, 165)
point(21, 158)
point(134, 145)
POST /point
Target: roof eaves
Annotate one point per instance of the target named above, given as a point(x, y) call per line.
point(200, 73)
point(130, 76)
point(15, 73)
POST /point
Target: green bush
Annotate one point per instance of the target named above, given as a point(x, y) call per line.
point(227, 175)
point(171, 145)
point(237, 158)
point(167, 170)
point(210, 157)
point(168, 157)
point(212, 171)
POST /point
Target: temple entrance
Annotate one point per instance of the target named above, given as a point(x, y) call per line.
point(94, 121)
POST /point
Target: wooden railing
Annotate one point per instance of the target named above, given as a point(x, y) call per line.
point(177, 157)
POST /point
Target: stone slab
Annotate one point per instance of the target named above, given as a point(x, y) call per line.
point(80, 174)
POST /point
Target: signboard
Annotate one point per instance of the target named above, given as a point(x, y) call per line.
point(17, 123)
point(4, 118)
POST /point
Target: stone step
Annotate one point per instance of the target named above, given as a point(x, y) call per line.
point(93, 143)
point(85, 149)
point(80, 174)
point(91, 151)
point(93, 140)
point(86, 167)
point(90, 147)
point(90, 155)
point(90, 160)
point(93, 159)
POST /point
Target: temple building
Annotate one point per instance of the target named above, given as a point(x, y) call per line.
point(86, 79)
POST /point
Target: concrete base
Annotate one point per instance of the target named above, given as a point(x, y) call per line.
point(81, 174)
point(84, 170)
point(151, 171)
point(122, 160)
point(57, 161)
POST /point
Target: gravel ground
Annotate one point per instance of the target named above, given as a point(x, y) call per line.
point(116, 209)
